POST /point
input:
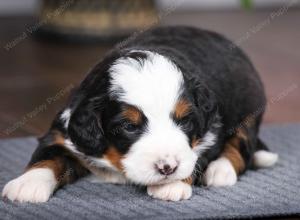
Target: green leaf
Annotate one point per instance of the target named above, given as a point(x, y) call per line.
point(247, 4)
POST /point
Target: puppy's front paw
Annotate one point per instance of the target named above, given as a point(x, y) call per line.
point(220, 173)
point(36, 185)
point(172, 191)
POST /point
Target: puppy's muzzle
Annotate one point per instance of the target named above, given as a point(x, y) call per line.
point(166, 167)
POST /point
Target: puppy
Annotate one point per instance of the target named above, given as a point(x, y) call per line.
point(170, 108)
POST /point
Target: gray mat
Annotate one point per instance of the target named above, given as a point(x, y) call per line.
point(267, 192)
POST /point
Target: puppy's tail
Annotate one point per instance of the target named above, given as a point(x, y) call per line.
point(263, 157)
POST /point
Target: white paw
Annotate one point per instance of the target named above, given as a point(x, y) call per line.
point(220, 173)
point(36, 185)
point(263, 159)
point(174, 191)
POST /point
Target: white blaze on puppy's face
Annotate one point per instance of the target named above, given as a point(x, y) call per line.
point(154, 87)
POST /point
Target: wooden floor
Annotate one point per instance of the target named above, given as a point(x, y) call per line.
point(37, 76)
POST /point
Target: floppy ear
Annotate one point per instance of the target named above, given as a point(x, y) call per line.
point(85, 129)
point(206, 104)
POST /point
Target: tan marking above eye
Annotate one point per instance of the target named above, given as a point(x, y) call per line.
point(182, 108)
point(132, 114)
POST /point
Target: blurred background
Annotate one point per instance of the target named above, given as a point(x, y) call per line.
point(48, 46)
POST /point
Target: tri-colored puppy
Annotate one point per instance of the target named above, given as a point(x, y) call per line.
point(172, 107)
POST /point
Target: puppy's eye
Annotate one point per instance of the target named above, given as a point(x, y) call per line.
point(187, 125)
point(129, 127)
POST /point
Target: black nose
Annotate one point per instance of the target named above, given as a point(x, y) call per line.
point(166, 169)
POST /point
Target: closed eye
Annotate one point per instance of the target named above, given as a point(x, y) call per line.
point(185, 123)
point(130, 127)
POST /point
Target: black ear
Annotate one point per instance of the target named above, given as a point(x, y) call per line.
point(206, 104)
point(85, 129)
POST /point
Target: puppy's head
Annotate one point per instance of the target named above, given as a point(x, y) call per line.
point(142, 119)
